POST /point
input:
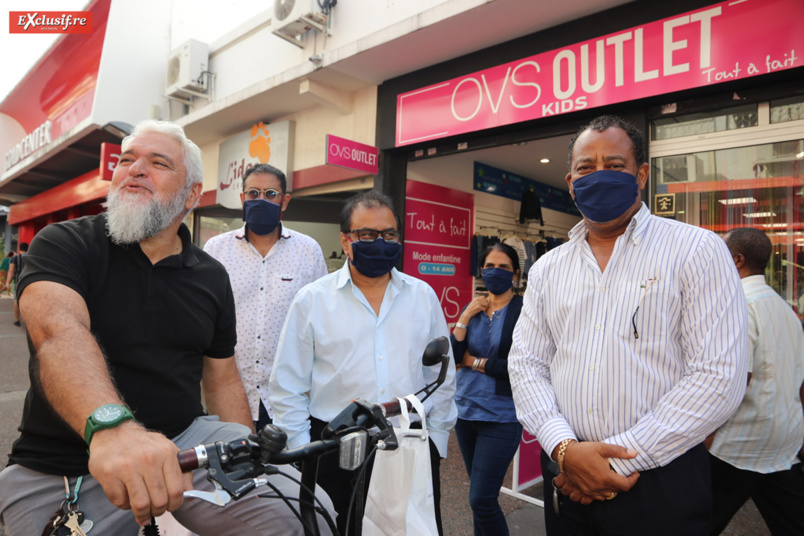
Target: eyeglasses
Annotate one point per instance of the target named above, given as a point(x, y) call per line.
point(269, 195)
point(390, 236)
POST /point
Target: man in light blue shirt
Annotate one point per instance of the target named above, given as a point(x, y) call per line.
point(755, 454)
point(360, 333)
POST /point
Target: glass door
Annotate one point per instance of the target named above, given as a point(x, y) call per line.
point(740, 167)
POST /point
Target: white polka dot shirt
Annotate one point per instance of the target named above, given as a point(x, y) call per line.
point(263, 289)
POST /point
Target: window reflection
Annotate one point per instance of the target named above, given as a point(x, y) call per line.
point(213, 226)
point(789, 109)
point(704, 123)
point(759, 186)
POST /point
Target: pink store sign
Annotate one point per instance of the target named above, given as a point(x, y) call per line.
point(439, 225)
point(726, 41)
point(351, 154)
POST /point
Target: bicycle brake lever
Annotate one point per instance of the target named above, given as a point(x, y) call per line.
point(219, 497)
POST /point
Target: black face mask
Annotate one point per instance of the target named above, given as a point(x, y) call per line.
point(375, 259)
point(261, 216)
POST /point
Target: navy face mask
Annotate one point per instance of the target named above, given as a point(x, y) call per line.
point(498, 280)
point(374, 259)
point(605, 195)
point(261, 216)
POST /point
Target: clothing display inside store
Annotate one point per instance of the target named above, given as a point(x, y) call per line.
point(528, 246)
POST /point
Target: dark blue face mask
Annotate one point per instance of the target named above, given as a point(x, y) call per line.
point(605, 195)
point(498, 280)
point(375, 259)
point(261, 216)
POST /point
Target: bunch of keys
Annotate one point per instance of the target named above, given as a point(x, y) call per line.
point(67, 522)
point(556, 499)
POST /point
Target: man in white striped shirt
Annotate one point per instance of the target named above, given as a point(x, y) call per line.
point(755, 454)
point(630, 350)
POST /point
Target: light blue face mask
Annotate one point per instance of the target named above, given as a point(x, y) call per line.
point(605, 195)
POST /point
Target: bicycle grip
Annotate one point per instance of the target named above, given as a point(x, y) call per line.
point(188, 460)
point(392, 408)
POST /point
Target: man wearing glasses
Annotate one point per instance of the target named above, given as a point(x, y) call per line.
point(360, 333)
point(267, 264)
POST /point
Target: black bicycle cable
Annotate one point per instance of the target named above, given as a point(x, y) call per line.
point(320, 508)
point(286, 500)
point(360, 475)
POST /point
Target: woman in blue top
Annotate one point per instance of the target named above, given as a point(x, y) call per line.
point(487, 430)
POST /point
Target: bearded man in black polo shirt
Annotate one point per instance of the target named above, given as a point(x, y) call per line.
point(127, 319)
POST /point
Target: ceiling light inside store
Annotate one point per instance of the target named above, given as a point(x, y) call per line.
point(800, 155)
point(738, 201)
point(759, 215)
point(545, 160)
point(774, 225)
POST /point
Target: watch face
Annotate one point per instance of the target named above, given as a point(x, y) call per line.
point(108, 413)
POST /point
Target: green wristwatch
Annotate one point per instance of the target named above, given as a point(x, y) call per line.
point(106, 416)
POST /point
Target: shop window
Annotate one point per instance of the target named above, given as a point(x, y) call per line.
point(189, 221)
point(704, 123)
point(757, 186)
point(213, 226)
point(789, 109)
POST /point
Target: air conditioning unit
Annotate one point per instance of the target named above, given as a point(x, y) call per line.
point(292, 18)
point(185, 69)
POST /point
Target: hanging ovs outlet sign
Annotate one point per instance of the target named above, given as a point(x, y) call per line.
point(352, 155)
point(723, 42)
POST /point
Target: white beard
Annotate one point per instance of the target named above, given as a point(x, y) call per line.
point(129, 220)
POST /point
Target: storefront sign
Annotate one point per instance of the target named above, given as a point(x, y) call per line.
point(58, 93)
point(110, 156)
point(351, 154)
point(495, 181)
point(31, 143)
point(39, 22)
point(262, 144)
point(439, 225)
point(726, 41)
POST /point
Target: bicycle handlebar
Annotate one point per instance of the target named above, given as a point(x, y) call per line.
point(233, 467)
point(361, 414)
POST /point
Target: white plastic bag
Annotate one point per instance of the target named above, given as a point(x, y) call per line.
point(400, 495)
